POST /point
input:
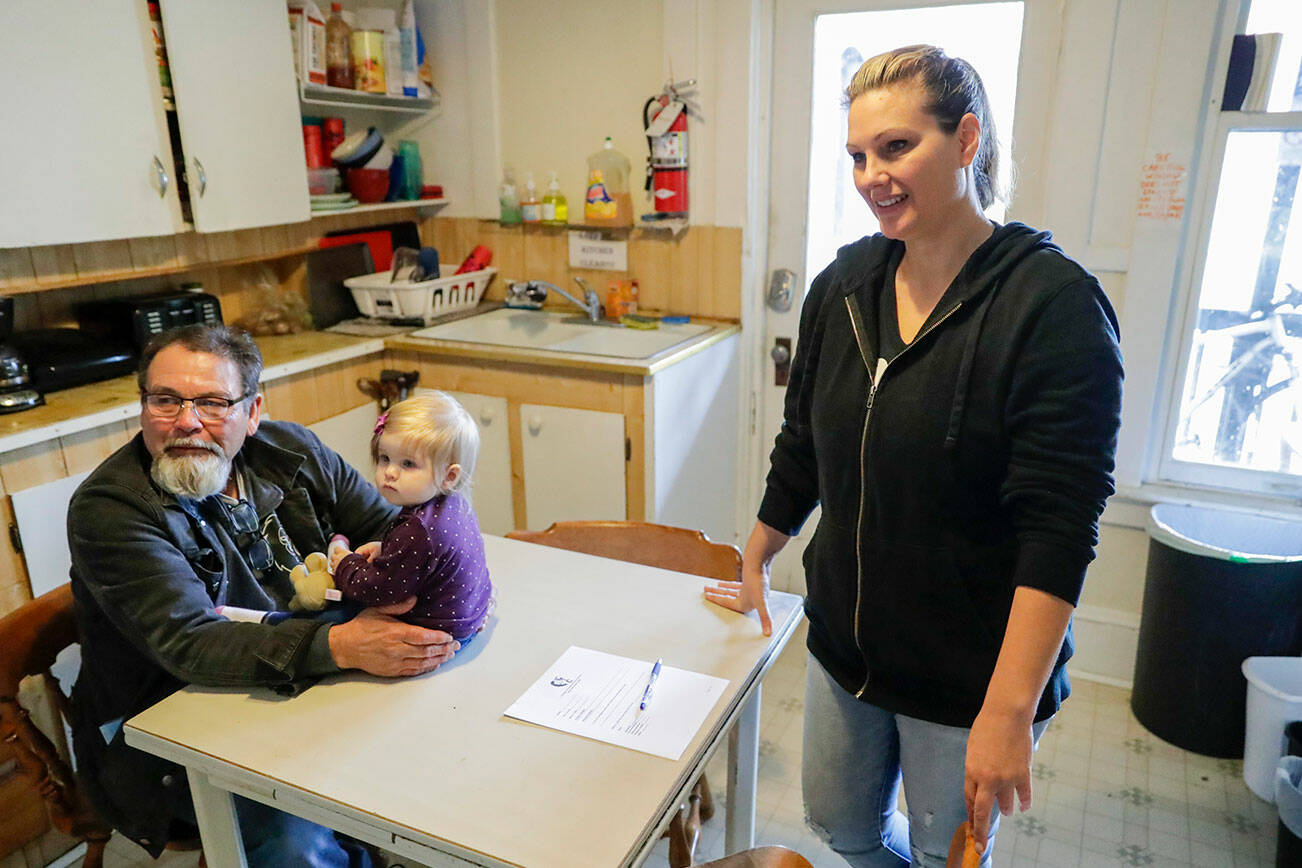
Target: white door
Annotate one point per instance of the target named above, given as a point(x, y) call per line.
point(573, 465)
point(85, 155)
point(814, 207)
point(237, 104)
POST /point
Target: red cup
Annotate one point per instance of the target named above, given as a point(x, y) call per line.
point(312, 147)
point(332, 133)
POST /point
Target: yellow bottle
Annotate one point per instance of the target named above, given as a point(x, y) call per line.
point(554, 210)
point(608, 202)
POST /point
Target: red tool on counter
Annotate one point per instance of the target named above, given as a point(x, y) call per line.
point(480, 258)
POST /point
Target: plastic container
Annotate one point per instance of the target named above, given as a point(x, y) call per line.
point(1288, 798)
point(608, 202)
point(1274, 701)
point(322, 181)
point(368, 61)
point(1221, 586)
point(376, 296)
point(338, 49)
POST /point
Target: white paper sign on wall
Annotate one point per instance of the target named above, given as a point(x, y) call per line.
point(590, 250)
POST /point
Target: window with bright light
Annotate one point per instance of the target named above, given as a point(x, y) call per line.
point(987, 35)
point(1238, 422)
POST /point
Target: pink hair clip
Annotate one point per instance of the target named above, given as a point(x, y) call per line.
point(379, 423)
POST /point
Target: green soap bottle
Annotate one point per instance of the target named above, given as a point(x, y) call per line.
point(554, 210)
point(509, 199)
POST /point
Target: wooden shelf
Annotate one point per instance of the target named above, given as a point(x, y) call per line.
point(423, 204)
point(341, 97)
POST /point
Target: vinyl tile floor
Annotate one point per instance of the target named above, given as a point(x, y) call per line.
point(1106, 792)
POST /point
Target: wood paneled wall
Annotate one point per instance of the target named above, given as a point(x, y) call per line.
point(697, 273)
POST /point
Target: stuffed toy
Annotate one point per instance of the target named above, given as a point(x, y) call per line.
point(313, 584)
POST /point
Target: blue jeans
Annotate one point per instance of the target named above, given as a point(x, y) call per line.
point(855, 756)
point(275, 839)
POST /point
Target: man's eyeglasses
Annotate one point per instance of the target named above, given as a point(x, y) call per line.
point(245, 520)
point(209, 408)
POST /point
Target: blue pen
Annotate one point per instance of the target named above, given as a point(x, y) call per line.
point(650, 685)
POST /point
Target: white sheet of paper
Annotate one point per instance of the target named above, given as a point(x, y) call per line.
point(594, 694)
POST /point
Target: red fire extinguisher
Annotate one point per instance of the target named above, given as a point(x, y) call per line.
point(664, 117)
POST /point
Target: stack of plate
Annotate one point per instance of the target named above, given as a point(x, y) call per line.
point(333, 201)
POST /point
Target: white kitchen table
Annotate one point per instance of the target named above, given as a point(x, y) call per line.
point(429, 767)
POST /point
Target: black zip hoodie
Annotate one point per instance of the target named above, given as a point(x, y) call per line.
point(975, 462)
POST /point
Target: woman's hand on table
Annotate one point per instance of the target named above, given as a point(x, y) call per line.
point(751, 593)
point(998, 769)
point(377, 642)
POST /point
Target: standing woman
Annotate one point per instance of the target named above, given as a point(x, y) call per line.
point(953, 407)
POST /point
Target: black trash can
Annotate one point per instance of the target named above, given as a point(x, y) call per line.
point(1288, 847)
point(1221, 586)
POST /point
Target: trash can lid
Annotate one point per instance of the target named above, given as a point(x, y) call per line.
point(1242, 537)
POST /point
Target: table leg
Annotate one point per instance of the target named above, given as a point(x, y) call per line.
point(219, 827)
point(743, 764)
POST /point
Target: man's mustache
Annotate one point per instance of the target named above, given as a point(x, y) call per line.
point(193, 443)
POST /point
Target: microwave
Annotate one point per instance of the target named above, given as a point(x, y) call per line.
point(136, 320)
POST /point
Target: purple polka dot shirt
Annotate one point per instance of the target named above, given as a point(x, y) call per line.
point(434, 551)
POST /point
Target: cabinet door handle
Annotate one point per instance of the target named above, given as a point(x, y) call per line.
point(486, 417)
point(535, 425)
point(203, 177)
point(163, 180)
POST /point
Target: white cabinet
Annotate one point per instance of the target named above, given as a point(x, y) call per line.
point(87, 155)
point(86, 146)
point(573, 464)
point(491, 484)
point(237, 103)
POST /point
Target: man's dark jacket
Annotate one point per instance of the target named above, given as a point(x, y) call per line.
point(148, 569)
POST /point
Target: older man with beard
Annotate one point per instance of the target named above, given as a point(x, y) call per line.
point(207, 507)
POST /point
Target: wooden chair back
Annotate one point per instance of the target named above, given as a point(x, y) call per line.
point(640, 542)
point(31, 637)
point(761, 857)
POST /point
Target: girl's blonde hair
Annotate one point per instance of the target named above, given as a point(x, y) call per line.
point(953, 89)
point(433, 422)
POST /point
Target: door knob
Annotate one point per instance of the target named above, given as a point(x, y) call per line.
point(535, 425)
point(486, 417)
point(781, 356)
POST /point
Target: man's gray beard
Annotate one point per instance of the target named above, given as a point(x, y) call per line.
point(194, 476)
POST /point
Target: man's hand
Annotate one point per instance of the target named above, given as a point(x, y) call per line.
point(380, 644)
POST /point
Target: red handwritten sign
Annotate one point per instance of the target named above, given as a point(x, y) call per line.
point(1161, 188)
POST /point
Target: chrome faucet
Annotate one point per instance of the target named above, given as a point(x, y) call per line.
point(591, 304)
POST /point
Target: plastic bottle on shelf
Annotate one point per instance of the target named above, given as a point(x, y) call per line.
point(508, 199)
point(530, 204)
point(608, 202)
point(554, 210)
point(339, 49)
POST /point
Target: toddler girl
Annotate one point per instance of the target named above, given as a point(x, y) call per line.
point(424, 450)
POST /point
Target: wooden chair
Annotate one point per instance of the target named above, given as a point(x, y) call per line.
point(761, 857)
point(31, 637)
point(670, 548)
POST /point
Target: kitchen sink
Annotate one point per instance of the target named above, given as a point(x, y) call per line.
point(562, 332)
